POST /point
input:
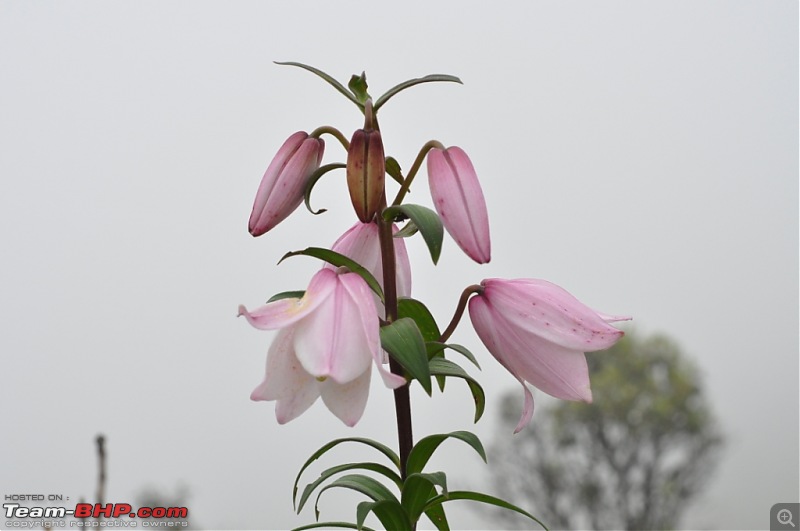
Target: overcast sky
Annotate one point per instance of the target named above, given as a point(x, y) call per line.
point(643, 155)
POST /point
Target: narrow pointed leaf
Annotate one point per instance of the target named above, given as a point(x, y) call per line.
point(385, 450)
point(423, 450)
point(437, 517)
point(339, 260)
point(409, 229)
point(287, 295)
point(335, 84)
point(403, 341)
point(410, 83)
point(373, 467)
point(366, 485)
point(393, 169)
point(312, 181)
point(342, 525)
point(426, 220)
point(416, 310)
point(391, 514)
point(482, 498)
point(418, 489)
point(435, 347)
point(443, 367)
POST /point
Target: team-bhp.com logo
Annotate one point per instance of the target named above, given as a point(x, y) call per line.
point(94, 515)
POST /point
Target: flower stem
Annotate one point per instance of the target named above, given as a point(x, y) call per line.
point(319, 131)
point(402, 399)
point(462, 304)
point(401, 194)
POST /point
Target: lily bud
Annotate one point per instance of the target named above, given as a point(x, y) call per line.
point(281, 189)
point(366, 167)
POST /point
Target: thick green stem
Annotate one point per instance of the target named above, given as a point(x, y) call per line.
point(402, 399)
point(401, 194)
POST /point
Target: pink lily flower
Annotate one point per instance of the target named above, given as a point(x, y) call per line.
point(327, 342)
point(361, 243)
point(458, 198)
point(540, 333)
point(281, 189)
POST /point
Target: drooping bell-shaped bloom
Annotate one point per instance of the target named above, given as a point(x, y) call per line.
point(281, 189)
point(366, 172)
point(458, 198)
point(539, 332)
point(327, 343)
point(361, 243)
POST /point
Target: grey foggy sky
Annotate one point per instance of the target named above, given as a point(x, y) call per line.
point(644, 156)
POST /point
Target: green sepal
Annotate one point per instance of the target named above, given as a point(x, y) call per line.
point(443, 367)
point(403, 341)
point(426, 220)
point(382, 448)
point(335, 84)
point(422, 451)
point(482, 498)
point(339, 260)
point(390, 513)
point(372, 467)
point(410, 83)
point(312, 181)
point(287, 295)
point(358, 86)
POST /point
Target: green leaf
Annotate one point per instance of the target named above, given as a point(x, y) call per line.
point(335, 84)
point(393, 169)
point(410, 83)
point(339, 260)
point(385, 450)
point(416, 310)
point(343, 525)
point(437, 517)
point(358, 86)
point(366, 485)
point(418, 489)
point(426, 220)
point(373, 467)
point(443, 367)
point(403, 341)
point(391, 514)
point(482, 498)
point(312, 181)
point(422, 451)
point(409, 229)
point(434, 347)
point(287, 295)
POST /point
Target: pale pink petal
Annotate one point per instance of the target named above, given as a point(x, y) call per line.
point(390, 380)
point(286, 151)
point(458, 198)
point(347, 401)
point(613, 318)
point(285, 312)
point(527, 410)
point(330, 342)
point(290, 408)
point(403, 266)
point(550, 312)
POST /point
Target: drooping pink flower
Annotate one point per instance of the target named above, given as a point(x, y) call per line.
point(361, 243)
point(539, 332)
point(458, 198)
point(281, 189)
point(327, 342)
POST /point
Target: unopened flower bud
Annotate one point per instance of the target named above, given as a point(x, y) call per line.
point(366, 172)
